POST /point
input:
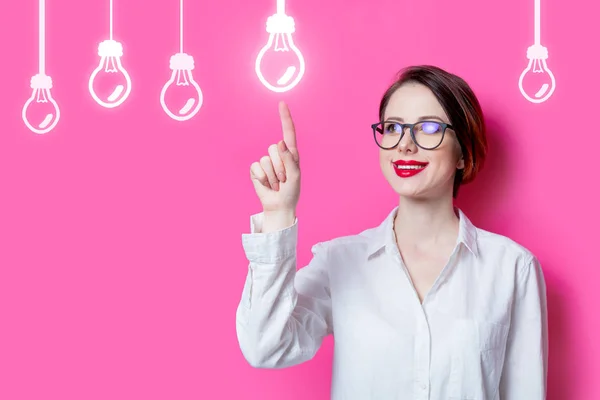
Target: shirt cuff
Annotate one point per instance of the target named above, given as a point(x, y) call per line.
point(269, 247)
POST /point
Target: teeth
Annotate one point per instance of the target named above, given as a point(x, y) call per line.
point(409, 166)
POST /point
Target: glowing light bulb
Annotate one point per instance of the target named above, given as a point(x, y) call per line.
point(40, 112)
point(110, 83)
point(181, 97)
point(537, 82)
point(279, 64)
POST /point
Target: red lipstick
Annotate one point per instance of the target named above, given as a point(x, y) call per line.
point(408, 168)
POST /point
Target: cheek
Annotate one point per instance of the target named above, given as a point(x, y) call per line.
point(449, 156)
point(384, 157)
point(444, 166)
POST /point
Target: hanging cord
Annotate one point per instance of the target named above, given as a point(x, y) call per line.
point(181, 26)
point(42, 37)
point(536, 32)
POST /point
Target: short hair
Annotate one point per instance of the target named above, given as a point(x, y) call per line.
point(462, 107)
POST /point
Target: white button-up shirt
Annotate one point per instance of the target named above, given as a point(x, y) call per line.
point(479, 334)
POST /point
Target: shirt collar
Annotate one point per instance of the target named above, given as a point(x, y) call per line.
point(383, 235)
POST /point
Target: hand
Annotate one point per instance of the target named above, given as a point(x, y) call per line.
point(276, 177)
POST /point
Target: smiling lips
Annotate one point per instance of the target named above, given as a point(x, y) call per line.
point(408, 168)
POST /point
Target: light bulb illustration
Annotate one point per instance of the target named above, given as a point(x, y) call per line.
point(537, 82)
point(109, 83)
point(181, 97)
point(279, 64)
point(40, 112)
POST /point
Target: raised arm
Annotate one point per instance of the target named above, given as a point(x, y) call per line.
point(283, 315)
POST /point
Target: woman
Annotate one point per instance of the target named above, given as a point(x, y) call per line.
point(424, 306)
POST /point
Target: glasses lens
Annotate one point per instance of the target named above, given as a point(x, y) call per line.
point(388, 134)
point(428, 134)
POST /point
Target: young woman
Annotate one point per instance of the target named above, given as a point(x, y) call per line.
point(424, 306)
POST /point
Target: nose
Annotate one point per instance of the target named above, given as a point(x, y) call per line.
point(406, 144)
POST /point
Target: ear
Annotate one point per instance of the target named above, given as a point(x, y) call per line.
point(461, 163)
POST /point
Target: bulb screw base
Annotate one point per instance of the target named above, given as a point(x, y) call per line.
point(280, 23)
point(537, 52)
point(41, 81)
point(110, 48)
point(182, 61)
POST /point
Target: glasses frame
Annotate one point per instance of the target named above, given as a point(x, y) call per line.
point(412, 133)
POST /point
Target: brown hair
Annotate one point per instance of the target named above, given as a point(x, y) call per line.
point(463, 110)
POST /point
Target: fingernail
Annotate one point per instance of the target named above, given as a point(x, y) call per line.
point(283, 146)
point(275, 186)
point(281, 176)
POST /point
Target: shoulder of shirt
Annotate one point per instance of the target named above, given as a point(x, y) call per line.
point(351, 240)
point(485, 239)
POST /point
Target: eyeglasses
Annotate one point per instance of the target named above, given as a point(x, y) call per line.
point(428, 135)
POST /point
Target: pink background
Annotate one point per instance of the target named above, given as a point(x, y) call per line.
point(120, 248)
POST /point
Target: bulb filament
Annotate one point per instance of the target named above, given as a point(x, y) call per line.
point(537, 66)
point(111, 65)
point(182, 78)
point(41, 96)
point(280, 42)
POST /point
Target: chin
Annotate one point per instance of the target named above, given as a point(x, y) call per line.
point(408, 189)
point(412, 194)
point(420, 192)
point(414, 188)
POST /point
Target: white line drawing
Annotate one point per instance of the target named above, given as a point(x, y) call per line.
point(537, 82)
point(110, 73)
point(40, 112)
point(278, 68)
point(181, 91)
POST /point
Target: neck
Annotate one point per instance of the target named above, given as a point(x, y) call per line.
point(426, 222)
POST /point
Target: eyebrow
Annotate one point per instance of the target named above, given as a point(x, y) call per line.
point(423, 118)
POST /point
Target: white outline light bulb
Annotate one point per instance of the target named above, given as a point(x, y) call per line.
point(182, 81)
point(280, 28)
point(41, 98)
point(537, 70)
point(110, 52)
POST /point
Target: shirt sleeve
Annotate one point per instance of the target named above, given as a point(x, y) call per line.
point(524, 375)
point(283, 314)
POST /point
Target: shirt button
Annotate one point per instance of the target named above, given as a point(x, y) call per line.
point(423, 386)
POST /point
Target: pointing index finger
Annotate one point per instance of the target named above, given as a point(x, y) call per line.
point(287, 124)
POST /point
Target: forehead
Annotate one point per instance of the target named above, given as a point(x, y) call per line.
point(413, 100)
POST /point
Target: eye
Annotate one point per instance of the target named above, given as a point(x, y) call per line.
point(392, 127)
point(430, 127)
